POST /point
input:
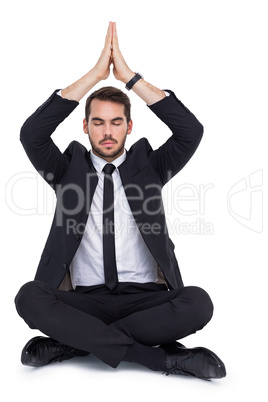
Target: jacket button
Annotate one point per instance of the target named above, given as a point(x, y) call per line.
point(65, 266)
point(77, 237)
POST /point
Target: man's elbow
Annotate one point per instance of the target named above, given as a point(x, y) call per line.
point(27, 138)
point(24, 136)
point(199, 131)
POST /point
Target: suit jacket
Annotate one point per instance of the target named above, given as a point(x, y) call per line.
point(73, 177)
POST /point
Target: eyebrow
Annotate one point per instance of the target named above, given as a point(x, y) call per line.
point(99, 119)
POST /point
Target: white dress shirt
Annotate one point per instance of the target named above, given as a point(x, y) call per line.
point(134, 261)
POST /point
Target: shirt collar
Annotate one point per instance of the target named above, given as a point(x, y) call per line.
point(99, 163)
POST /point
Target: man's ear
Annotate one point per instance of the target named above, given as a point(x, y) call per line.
point(85, 126)
point(129, 126)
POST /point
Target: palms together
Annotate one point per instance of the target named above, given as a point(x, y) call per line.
point(111, 54)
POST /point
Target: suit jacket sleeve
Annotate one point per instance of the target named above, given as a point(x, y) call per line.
point(187, 132)
point(36, 139)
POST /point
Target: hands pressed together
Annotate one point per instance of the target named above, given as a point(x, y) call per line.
point(111, 54)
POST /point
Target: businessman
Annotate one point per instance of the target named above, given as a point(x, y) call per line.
point(108, 282)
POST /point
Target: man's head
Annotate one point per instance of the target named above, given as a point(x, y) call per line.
point(107, 122)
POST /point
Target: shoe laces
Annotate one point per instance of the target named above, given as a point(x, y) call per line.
point(65, 353)
point(174, 369)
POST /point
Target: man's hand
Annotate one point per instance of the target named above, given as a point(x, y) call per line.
point(121, 70)
point(111, 54)
point(99, 72)
point(102, 68)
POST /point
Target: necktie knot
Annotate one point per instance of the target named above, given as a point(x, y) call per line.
point(108, 168)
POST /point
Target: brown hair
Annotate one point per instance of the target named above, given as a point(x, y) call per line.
point(110, 94)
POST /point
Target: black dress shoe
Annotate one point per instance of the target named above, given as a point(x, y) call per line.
point(40, 351)
point(198, 362)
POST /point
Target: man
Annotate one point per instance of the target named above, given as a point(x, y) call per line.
point(109, 237)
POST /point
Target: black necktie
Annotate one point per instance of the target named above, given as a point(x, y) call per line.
point(110, 271)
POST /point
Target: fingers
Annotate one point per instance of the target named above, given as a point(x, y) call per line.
point(114, 30)
point(108, 38)
point(114, 35)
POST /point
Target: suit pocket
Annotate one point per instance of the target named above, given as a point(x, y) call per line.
point(45, 257)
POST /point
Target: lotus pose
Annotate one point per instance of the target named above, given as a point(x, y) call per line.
point(108, 281)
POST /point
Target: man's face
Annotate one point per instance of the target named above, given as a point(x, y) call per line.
point(107, 129)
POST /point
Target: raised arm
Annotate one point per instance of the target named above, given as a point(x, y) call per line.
point(99, 72)
point(187, 132)
point(149, 93)
point(37, 130)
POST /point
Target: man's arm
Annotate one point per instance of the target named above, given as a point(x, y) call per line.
point(36, 132)
point(187, 132)
point(99, 72)
point(149, 93)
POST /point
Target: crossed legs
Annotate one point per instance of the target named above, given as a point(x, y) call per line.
point(106, 324)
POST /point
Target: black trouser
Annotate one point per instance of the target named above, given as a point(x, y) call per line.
point(104, 322)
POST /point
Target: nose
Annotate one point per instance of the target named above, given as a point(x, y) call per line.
point(106, 130)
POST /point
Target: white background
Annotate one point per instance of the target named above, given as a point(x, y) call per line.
point(213, 54)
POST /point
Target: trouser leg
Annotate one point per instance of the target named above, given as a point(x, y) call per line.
point(73, 319)
point(166, 316)
point(160, 318)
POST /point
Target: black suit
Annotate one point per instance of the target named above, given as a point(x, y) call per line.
point(74, 179)
point(144, 167)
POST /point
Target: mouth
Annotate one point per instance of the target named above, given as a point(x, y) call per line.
point(108, 143)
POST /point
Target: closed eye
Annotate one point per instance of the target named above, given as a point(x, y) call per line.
point(115, 122)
